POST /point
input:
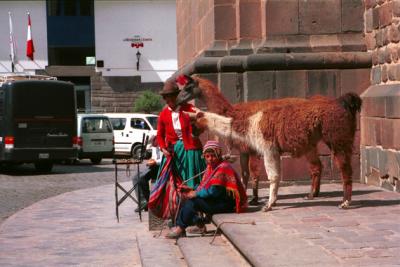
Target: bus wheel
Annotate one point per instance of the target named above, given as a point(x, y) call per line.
point(95, 160)
point(43, 166)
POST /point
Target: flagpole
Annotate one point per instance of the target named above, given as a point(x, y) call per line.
point(12, 43)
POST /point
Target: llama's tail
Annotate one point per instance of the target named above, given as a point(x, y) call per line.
point(351, 102)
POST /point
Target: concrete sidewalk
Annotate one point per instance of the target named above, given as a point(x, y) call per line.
point(80, 228)
point(75, 228)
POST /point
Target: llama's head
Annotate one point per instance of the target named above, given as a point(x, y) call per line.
point(198, 119)
point(189, 89)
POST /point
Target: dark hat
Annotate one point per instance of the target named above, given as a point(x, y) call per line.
point(170, 87)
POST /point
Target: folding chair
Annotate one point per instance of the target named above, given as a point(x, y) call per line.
point(128, 193)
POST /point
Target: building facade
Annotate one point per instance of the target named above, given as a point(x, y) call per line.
point(110, 50)
point(265, 49)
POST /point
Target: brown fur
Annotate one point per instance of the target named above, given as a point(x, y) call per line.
point(296, 125)
point(249, 159)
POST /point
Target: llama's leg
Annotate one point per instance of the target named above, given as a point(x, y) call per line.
point(315, 168)
point(255, 173)
point(343, 162)
point(244, 167)
point(272, 164)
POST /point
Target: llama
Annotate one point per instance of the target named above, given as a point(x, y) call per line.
point(293, 125)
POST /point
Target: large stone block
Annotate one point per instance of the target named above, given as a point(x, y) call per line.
point(393, 107)
point(258, 85)
point(354, 80)
point(363, 164)
point(368, 21)
point(225, 22)
point(291, 83)
point(323, 82)
point(281, 17)
point(373, 107)
point(319, 17)
point(371, 131)
point(250, 19)
point(294, 168)
point(352, 15)
point(396, 8)
point(376, 75)
point(390, 133)
point(385, 14)
point(231, 85)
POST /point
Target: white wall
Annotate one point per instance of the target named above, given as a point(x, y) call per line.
point(18, 11)
point(117, 20)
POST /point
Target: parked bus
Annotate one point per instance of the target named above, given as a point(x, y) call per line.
point(37, 121)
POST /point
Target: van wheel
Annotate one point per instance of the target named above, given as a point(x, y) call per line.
point(135, 153)
point(43, 166)
point(95, 160)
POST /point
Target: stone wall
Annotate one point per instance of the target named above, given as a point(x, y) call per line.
point(380, 124)
point(265, 49)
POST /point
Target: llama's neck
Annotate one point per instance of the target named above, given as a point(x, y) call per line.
point(221, 126)
point(225, 127)
point(215, 101)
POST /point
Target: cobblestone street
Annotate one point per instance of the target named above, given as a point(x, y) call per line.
point(22, 186)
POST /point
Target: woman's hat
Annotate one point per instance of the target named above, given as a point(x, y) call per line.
point(170, 88)
point(212, 145)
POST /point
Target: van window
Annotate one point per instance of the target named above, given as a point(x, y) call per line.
point(96, 125)
point(118, 123)
point(139, 124)
point(153, 122)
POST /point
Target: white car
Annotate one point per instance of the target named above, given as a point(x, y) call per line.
point(129, 129)
point(95, 137)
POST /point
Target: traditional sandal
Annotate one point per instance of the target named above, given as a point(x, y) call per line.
point(175, 235)
point(199, 230)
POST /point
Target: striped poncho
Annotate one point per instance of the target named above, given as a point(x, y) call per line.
point(224, 175)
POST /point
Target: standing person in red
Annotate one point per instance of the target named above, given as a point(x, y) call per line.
point(176, 137)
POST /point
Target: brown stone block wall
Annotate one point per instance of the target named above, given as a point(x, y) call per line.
point(282, 17)
point(380, 117)
point(225, 20)
point(352, 16)
point(319, 17)
point(195, 28)
point(308, 47)
point(250, 19)
point(291, 83)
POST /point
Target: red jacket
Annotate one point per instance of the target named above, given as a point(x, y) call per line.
point(165, 131)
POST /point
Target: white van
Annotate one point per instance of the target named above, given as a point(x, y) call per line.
point(128, 131)
point(95, 137)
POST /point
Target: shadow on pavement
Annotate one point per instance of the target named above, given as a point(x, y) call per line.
point(357, 204)
point(29, 169)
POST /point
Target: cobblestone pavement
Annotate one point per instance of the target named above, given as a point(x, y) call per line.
point(300, 232)
point(77, 228)
point(22, 186)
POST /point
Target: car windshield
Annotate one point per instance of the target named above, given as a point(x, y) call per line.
point(153, 122)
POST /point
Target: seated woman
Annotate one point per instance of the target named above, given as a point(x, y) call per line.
point(220, 191)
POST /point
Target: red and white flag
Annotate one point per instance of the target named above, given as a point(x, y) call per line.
point(30, 49)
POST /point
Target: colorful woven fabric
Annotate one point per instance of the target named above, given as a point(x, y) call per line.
point(224, 175)
point(164, 198)
point(187, 163)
